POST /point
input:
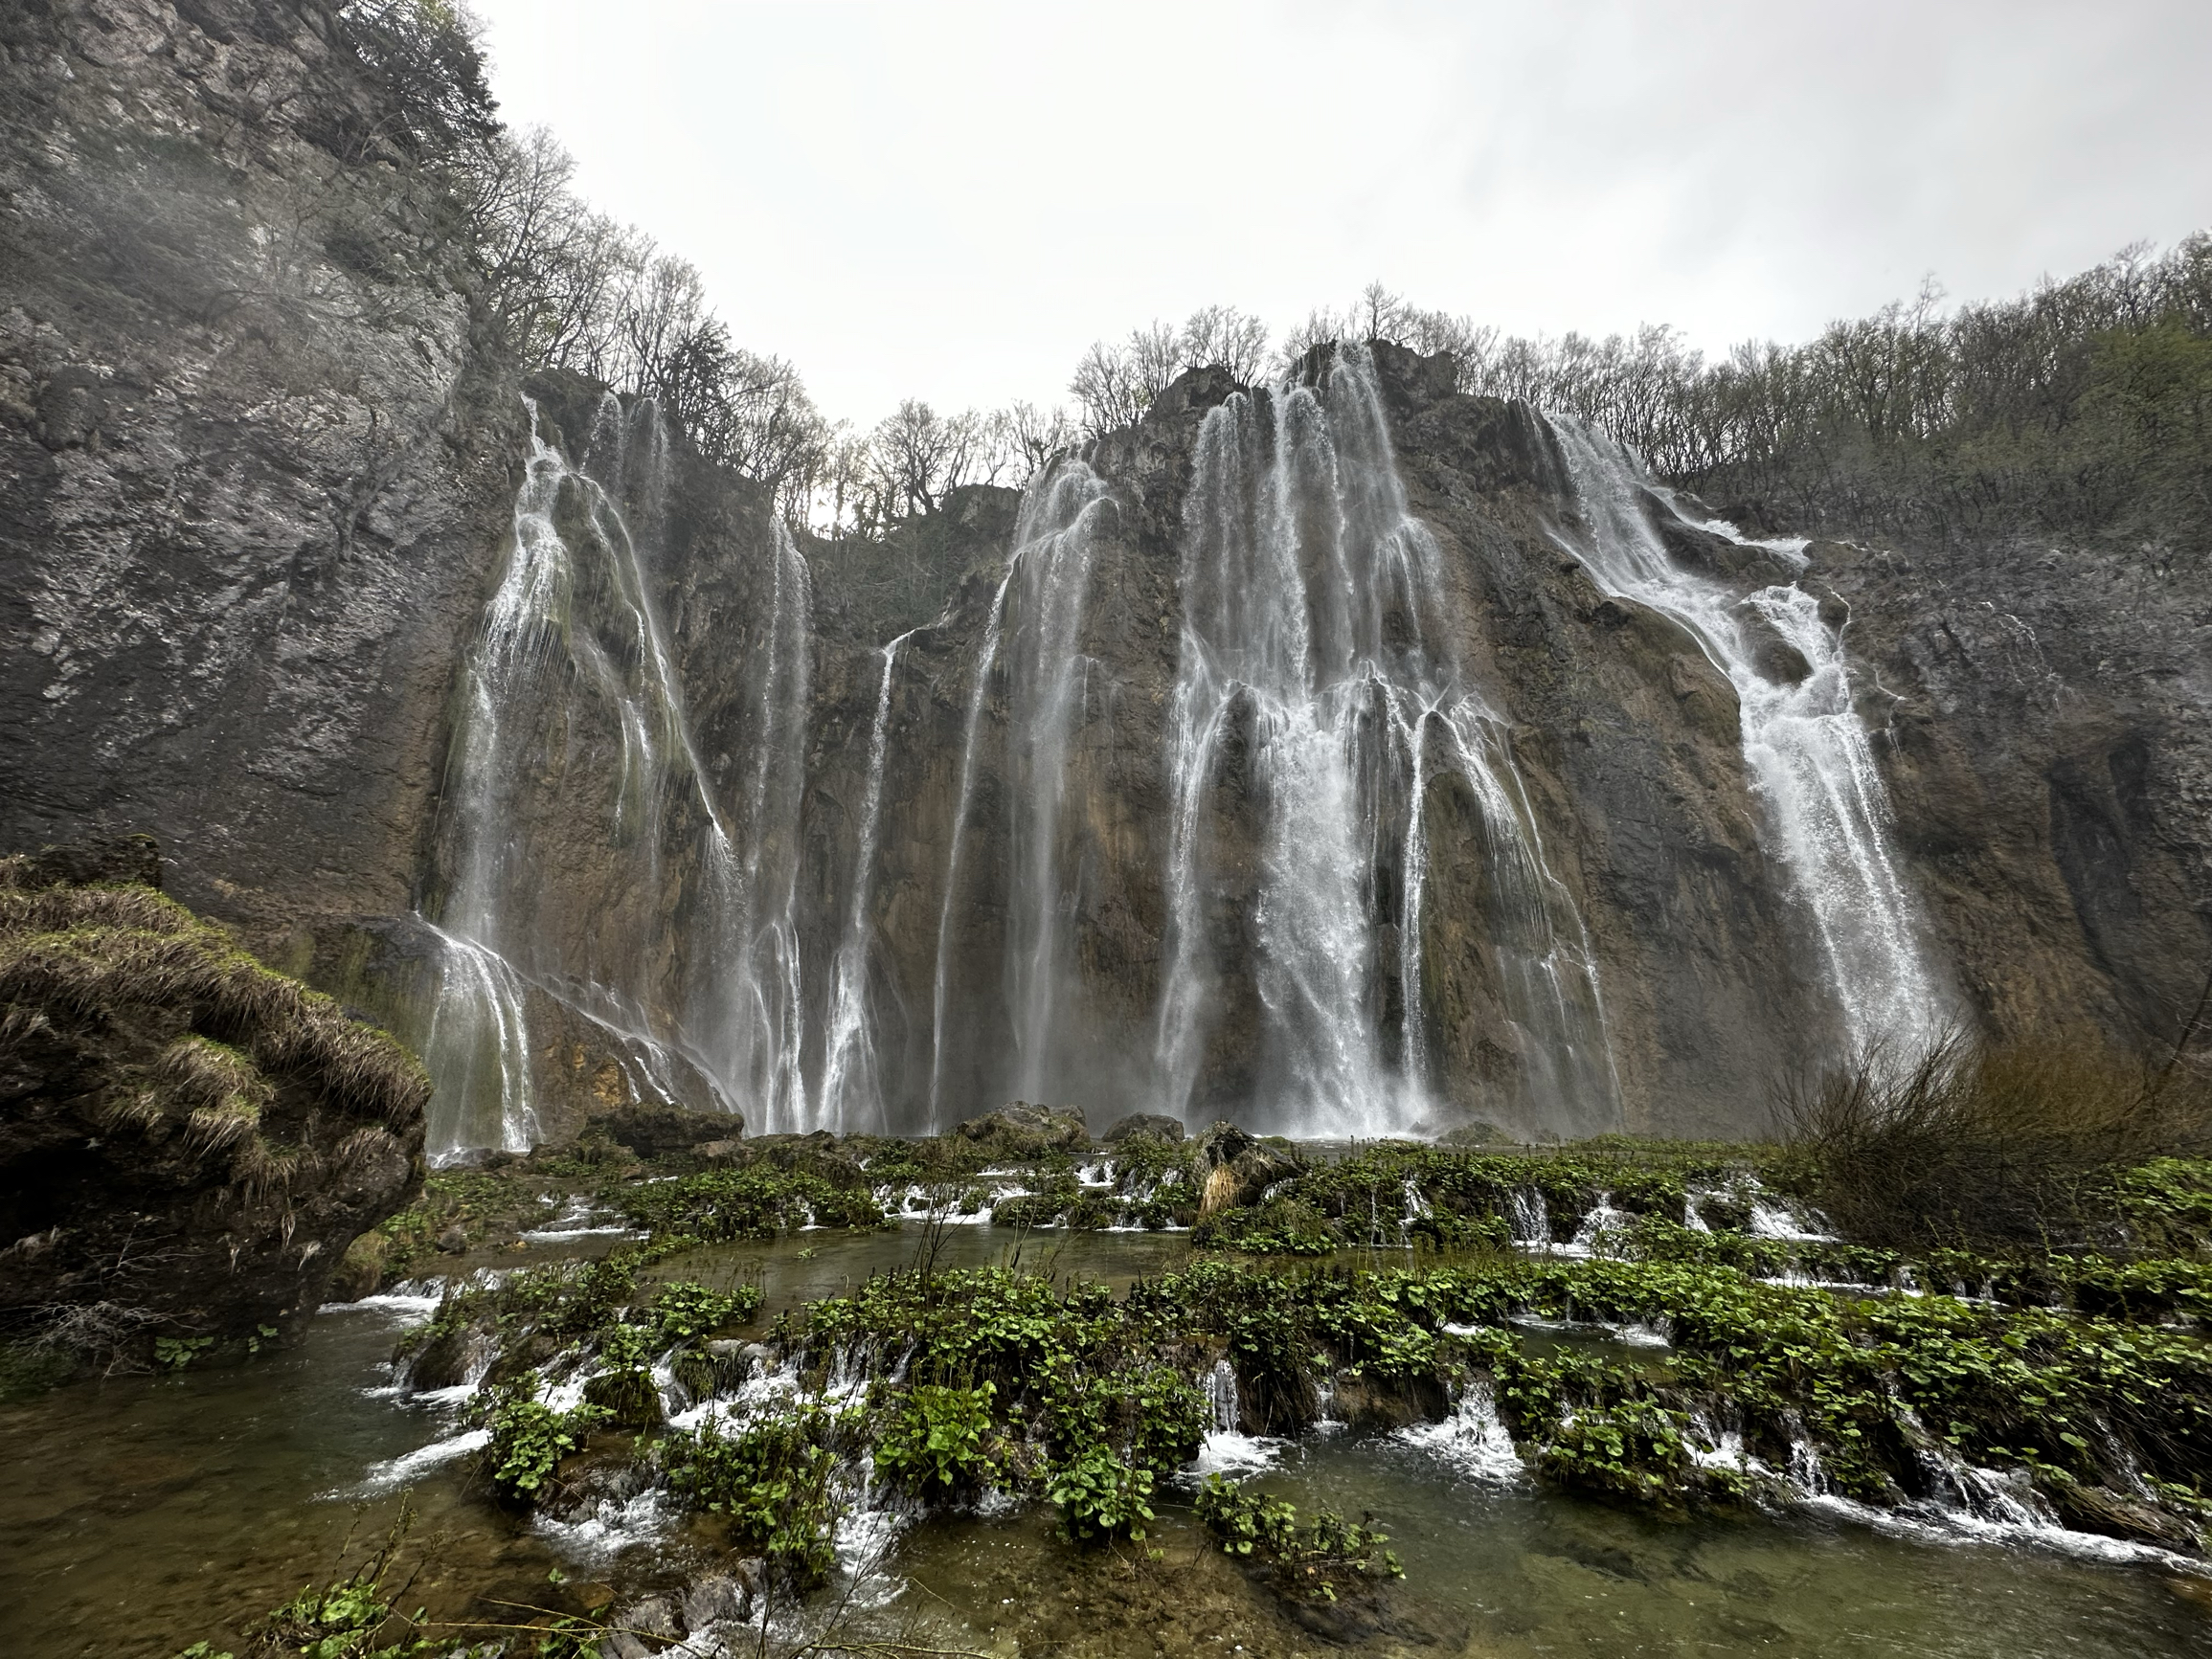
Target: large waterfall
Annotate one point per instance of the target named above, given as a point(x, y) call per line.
point(1320, 682)
point(589, 875)
point(1804, 743)
point(1032, 659)
point(851, 1092)
point(1259, 845)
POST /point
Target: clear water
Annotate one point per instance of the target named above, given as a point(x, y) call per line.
point(143, 1514)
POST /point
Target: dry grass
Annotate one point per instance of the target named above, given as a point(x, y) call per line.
point(1989, 1144)
point(100, 951)
point(117, 958)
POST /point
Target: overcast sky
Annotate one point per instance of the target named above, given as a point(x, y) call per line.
point(951, 201)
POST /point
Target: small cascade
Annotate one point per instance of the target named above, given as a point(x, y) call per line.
point(1318, 664)
point(851, 1094)
point(1775, 1218)
point(1525, 1213)
point(1808, 752)
point(1602, 1218)
point(1226, 1448)
point(1220, 1386)
point(1474, 1440)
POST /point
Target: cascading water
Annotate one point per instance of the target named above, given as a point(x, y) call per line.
point(1808, 752)
point(1032, 653)
point(749, 1002)
point(1318, 664)
point(579, 816)
point(851, 1094)
point(1047, 673)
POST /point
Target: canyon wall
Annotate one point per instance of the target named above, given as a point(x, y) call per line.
point(1348, 757)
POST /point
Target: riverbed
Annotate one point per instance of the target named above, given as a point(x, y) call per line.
point(146, 1513)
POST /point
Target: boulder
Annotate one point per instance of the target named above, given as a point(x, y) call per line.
point(657, 1130)
point(1143, 1126)
point(1021, 1130)
point(1240, 1168)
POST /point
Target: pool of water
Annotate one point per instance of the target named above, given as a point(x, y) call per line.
point(142, 1514)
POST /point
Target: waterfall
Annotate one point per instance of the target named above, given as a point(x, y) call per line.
point(987, 660)
point(851, 1096)
point(752, 1000)
point(1808, 752)
point(578, 818)
point(1318, 662)
point(1047, 673)
point(1033, 643)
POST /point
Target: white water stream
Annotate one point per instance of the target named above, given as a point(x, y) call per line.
point(1318, 673)
point(1032, 656)
point(1809, 753)
point(571, 646)
point(851, 1093)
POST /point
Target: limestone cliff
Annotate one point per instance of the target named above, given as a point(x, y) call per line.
point(1347, 756)
point(251, 483)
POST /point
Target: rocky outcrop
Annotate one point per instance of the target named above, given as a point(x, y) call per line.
point(253, 476)
point(188, 1141)
point(1143, 1126)
point(2047, 721)
point(1021, 1131)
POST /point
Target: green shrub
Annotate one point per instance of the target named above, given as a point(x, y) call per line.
point(528, 1439)
point(1308, 1563)
point(771, 1482)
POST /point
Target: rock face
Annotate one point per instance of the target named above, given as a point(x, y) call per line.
point(2048, 718)
point(188, 1141)
point(1304, 755)
point(252, 486)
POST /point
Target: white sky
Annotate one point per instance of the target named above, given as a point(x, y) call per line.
point(951, 201)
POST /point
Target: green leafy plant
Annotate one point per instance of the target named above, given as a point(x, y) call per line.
point(1100, 1496)
point(528, 1439)
point(175, 1353)
point(771, 1482)
point(1306, 1562)
point(937, 1441)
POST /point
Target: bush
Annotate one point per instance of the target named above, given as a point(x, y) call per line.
point(1306, 1562)
point(1100, 1496)
point(528, 1439)
point(1974, 1143)
point(771, 1483)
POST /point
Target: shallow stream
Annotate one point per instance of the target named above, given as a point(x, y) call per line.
point(142, 1514)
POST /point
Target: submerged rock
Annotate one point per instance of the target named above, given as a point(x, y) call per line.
point(1020, 1130)
point(188, 1142)
point(1145, 1126)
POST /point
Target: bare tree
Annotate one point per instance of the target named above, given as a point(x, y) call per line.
point(1036, 436)
point(1223, 336)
